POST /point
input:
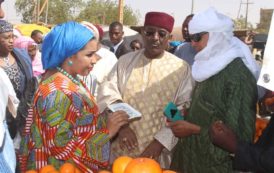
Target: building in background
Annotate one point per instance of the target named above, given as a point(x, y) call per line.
point(265, 19)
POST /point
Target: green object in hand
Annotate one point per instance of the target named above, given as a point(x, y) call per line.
point(172, 112)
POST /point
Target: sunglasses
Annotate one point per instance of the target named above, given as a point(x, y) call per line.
point(161, 33)
point(197, 37)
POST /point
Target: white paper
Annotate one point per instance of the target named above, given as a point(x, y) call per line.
point(132, 113)
point(266, 78)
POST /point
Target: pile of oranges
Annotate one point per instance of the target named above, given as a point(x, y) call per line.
point(65, 168)
point(125, 164)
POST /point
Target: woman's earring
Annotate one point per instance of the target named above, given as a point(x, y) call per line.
point(70, 63)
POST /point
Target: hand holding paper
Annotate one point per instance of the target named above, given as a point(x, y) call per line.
point(132, 113)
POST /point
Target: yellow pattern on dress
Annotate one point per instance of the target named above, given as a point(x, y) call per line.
point(151, 85)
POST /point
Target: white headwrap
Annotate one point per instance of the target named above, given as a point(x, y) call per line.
point(222, 47)
point(93, 29)
point(7, 98)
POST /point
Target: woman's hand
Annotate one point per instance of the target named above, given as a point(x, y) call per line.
point(115, 121)
point(223, 137)
point(127, 138)
point(183, 128)
point(153, 150)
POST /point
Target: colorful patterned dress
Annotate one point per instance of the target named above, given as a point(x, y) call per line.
point(64, 125)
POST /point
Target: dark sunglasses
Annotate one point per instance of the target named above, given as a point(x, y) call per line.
point(197, 37)
point(162, 34)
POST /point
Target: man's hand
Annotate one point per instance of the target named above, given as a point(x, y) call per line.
point(127, 138)
point(153, 150)
point(183, 128)
point(223, 137)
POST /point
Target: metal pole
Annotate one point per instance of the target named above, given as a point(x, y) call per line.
point(121, 11)
point(47, 11)
point(38, 9)
point(192, 6)
point(104, 18)
point(238, 15)
point(246, 15)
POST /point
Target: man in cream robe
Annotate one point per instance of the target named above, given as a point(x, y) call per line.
point(147, 80)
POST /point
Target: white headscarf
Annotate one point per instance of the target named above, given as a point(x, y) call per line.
point(93, 29)
point(7, 98)
point(222, 47)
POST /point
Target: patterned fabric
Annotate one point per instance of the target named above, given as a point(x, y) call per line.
point(5, 26)
point(63, 125)
point(229, 96)
point(21, 74)
point(16, 77)
point(150, 85)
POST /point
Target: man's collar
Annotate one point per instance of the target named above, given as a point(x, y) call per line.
point(115, 47)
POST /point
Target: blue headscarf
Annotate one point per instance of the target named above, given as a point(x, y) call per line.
point(62, 42)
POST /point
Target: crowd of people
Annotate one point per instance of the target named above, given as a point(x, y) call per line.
point(56, 92)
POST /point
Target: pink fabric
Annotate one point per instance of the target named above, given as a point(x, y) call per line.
point(37, 66)
point(24, 42)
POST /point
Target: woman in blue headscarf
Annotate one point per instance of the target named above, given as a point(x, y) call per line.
point(64, 124)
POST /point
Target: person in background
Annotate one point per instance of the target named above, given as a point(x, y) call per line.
point(172, 46)
point(136, 45)
point(17, 65)
point(225, 73)
point(185, 51)
point(119, 45)
point(63, 124)
point(24, 42)
point(106, 61)
point(147, 80)
point(249, 39)
point(38, 37)
point(7, 99)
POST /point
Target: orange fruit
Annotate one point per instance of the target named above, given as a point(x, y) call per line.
point(55, 171)
point(67, 168)
point(31, 171)
point(47, 169)
point(143, 165)
point(120, 164)
point(168, 171)
point(77, 170)
point(104, 171)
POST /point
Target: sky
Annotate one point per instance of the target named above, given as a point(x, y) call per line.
point(179, 9)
